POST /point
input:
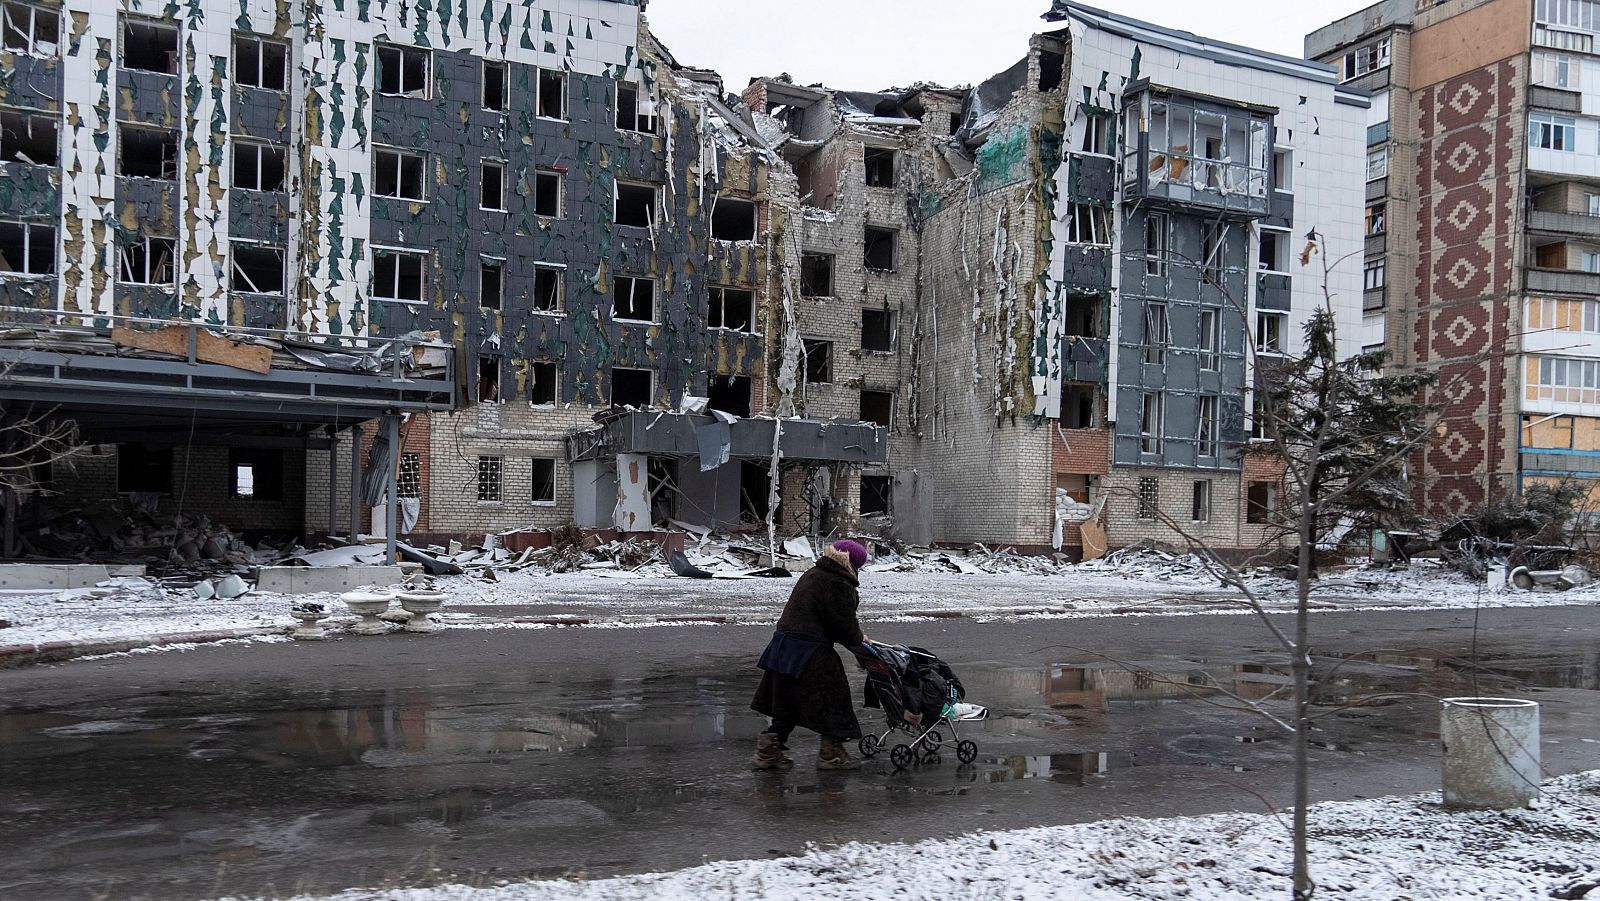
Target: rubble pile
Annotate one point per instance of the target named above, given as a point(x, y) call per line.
point(109, 533)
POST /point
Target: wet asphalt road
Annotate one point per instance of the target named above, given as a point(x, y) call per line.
point(489, 755)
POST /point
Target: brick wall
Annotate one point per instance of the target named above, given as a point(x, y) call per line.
point(201, 485)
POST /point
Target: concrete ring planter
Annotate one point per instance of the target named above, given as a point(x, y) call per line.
point(310, 628)
point(419, 604)
point(1491, 752)
point(367, 605)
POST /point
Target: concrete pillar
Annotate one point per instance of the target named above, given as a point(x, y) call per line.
point(355, 482)
point(1491, 752)
point(333, 481)
point(632, 512)
point(391, 509)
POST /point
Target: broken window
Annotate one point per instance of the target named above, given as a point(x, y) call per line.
point(149, 46)
point(955, 122)
point(1156, 333)
point(492, 186)
point(1155, 244)
point(732, 309)
point(816, 275)
point(27, 249)
point(409, 481)
point(631, 387)
point(632, 113)
point(489, 472)
point(1213, 251)
point(1200, 501)
point(1370, 58)
point(399, 174)
point(733, 219)
point(818, 361)
point(489, 368)
point(255, 473)
point(1260, 502)
point(1080, 406)
point(495, 81)
point(29, 30)
point(877, 495)
point(1378, 160)
point(1206, 425)
point(636, 204)
point(1270, 329)
point(1083, 316)
point(1152, 418)
point(491, 283)
point(1283, 170)
point(1377, 217)
point(877, 407)
point(146, 261)
point(633, 299)
point(548, 199)
point(257, 167)
point(1052, 67)
point(1259, 427)
point(1273, 251)
point(144, 469)
point(257, 268)
point(398, 275)
point(1088, 224)
point(729, 393)
point(542, 383)
point(878, 252)
point(404, 71)
point(1210, 338)
point(147, 152)
point(552, 94)
point(29, 138)
point(1149, 498)
point(1096, 132)
point(877, 331)
point(259, 63)
point(544, 480)
point(547, 284)
point(880, 167)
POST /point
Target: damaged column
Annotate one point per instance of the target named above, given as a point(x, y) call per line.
point(632, 512)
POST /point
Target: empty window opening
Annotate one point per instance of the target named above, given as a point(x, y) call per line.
point(1270, 331)
point(1283, 170)
point(1213, 251)
point(489, 367)
point(259, 63)
point(491, 283)
point(1096, 133)
point(149, 46)
point(29, 29)
point(26, 138)
point(754, 491)
point(490, 470)
point(398, 276)
point(631, 387)
point(492, 186)
point(955, 122)
point(1083, 316)
point(398, 174)
point(1210, 338)
point(632, 113)
point(547, 283)
point(542, 383)
point(27, 249)
point(633, 299)
point(147, 152)
point(257, 167)
point(1377, 219)
point(733, 219)
point(404, 71)
point(544, 480)
point(1260, 502)
point(547, 194)
point(1151, 420)
point(877, 407)
point(1274, 251)
point(1078, 487)
point(818, 360)
point(257, 269)
point(1087, 224)
point(1080, 406)
point(1206, 426)
point(1149, 498)
point(732, 309)
point(879, 249)
point(552, 94)
point(144, 469)
point(146, 261)
point(1155, 244)
point(729, 393)
point(816, 275)
point(877, 495)
point(880, 167)
point(1200, 501)
point(1156, 333)
point(877, 331)
point(494, 86)
point(1052, 67)
point(255, 473)
point(636, 204)
point(409, 481)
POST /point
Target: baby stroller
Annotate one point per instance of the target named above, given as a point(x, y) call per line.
point(919, 695)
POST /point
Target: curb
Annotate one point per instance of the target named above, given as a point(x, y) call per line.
point(20, 655)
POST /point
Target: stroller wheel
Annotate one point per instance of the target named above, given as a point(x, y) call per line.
point(870, 745)
point(901, 756)
point(967, 751)
point(932, 741)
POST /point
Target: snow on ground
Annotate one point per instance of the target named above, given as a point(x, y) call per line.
point(1382, 848)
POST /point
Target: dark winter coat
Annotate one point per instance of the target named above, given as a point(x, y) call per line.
point(822, 606)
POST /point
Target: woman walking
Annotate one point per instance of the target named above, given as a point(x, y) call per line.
point(803, 682)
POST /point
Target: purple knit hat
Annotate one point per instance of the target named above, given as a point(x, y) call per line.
point(858, 554)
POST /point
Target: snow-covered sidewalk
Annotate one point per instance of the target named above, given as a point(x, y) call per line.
point(1382, 848)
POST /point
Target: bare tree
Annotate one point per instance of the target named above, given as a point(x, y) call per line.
point(30, 440)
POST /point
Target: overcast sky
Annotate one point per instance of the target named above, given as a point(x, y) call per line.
point(873, 44)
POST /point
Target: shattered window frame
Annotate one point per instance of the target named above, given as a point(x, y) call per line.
point(890, 323)
point(1213, 251)
point(30, 245)
point(879, 166)
point(547, 79)
point(491, 477)
point(1152, 422)
point(720, 299)
point(720, 226)
point(250, 158)
point(1157, 240)
point(1206, 425)
point(1377, 218)
point(245, 45)
point(631, 292)
point(166, 163)
point(16, 128)
point(491, 377)
point(558, 272)
point(485, 166)
point(1089, 224)
point(1096, 132)
point(627, 112)
point(503, 81)
point(1260, 503)
point(149, 26)
point(542, 481)
point(888, 400)
point(650, 386)
point(1378, 164)
point(141, 260)
point(880, 489)
point(653, 217)
point(1366, 60)
point(402, 159)
point(1157, 333)
point(400, 256)
point(1210, 339)
point(816, 372)
point(875, 236)
point(1200, 501)
point(486, 266)
point(240, 281)
point(1272, 250)
point(1149, 498)
point(542, 373)
point(808, 262)
point(1283, 169)
point(543, 179)
point(403, 57)
point(1271, 328)
point(24, 36)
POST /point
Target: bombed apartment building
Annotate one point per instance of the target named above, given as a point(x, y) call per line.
point(1081, 259)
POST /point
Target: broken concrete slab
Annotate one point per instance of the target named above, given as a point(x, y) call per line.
point(43, 576)
point(317, 579)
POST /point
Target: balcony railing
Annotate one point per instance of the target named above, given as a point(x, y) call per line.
point(1580, 224)
point(1562, 281)
point(1556, 99)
